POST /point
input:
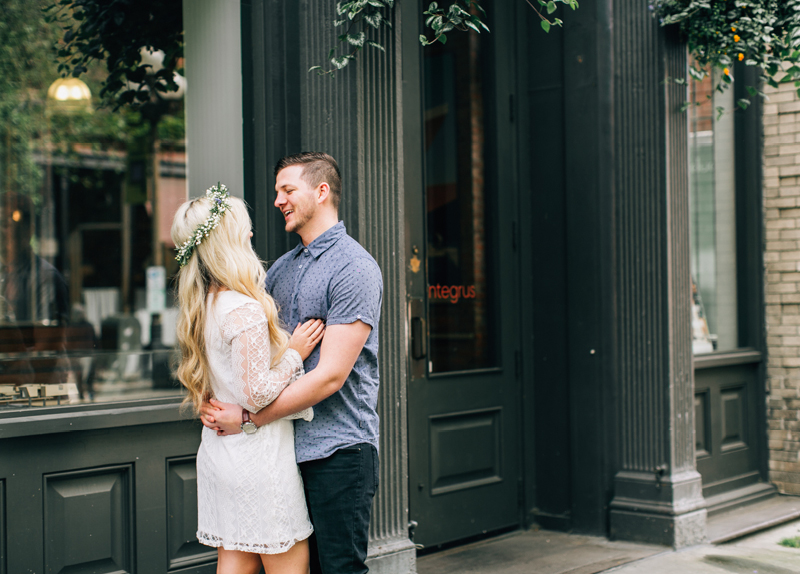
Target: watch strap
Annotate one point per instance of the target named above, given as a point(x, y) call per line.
point(248, 425)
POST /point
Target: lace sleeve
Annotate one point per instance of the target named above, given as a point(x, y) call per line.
point(307, 414)
point(256, 384)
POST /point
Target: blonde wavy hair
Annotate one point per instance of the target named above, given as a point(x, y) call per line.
point(224, 259)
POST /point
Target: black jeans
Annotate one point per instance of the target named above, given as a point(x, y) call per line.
point(339, 491)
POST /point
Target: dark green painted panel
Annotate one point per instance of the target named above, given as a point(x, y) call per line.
point(452, 468)
point(29, 463)
point(185, 550)
point(701, 422)
point(71, 418)
point(3, 568)
point(732, 418)
point(544, 255)
point(731, 456)
point(88, 521)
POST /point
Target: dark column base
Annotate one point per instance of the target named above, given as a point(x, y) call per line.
point(670, 512)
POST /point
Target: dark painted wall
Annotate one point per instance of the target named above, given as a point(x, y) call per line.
point(103, 499)
point(565, 181)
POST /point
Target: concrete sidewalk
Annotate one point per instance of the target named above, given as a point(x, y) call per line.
point(540, 551)
point(537, 551)
point(757, 553)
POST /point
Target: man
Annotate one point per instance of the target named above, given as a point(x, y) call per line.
point(328, 276)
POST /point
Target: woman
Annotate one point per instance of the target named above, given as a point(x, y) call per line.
point(249, 491)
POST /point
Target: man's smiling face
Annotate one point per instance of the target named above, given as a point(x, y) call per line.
point(295, 199)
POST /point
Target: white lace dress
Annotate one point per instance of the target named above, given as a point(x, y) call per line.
point(249, 490)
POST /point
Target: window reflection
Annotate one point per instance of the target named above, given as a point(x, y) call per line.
point(712, 192)
point(86, 198)
point(459, 230)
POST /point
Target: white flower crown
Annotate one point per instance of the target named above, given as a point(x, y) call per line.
point(220, 203)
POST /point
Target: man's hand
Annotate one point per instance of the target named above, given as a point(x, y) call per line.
point(224, 418)
point(339, 351)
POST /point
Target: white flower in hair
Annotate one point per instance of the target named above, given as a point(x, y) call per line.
point(220, 203)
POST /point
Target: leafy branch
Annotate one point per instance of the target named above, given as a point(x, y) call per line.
point(114, 32)
point(366, 16)
point(360, 16)
point(461, 15)
point(550, 7)
point(764, 34)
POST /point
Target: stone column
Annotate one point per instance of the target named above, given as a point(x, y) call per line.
point(657, 489)
point(212, 32)
point(356, 117)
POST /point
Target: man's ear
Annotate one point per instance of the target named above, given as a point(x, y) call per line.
point(323, 192)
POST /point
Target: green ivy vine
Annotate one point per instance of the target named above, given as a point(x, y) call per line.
point(764, 34)
point(360, 18)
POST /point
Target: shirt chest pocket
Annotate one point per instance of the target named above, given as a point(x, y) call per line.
point(311, 306)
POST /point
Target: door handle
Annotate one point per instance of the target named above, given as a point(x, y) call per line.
point(419, 348)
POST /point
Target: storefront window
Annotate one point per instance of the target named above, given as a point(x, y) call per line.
point(87, 195)
point(459, 202)
point(713, 218)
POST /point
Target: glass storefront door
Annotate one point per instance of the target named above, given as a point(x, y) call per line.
point(727, 367)
point(464, 392)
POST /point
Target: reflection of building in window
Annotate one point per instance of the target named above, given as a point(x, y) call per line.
point(73, 263)
point(87, 195)
point(33, 290)
point(712, 214)
point(460, 327)
point(701, 341)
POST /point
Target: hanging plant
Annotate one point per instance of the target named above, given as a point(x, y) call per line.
point(360, 20)
point(761, 33)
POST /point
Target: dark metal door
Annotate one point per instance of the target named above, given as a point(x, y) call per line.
point(463, 391)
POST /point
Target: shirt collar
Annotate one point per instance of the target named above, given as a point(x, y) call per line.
point(320, 245)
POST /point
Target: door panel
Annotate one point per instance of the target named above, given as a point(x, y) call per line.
point(725, 432)
point(463, 390)
point(451, 468)
point(100, 501)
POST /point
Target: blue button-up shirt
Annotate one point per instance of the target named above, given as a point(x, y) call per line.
point(336, 280)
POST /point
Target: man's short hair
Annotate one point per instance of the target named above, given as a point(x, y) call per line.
point(318, 167)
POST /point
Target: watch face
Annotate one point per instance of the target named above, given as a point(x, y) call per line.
point(249, 427)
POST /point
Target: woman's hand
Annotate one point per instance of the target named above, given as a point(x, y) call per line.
point(306, 337)
point(224, 418)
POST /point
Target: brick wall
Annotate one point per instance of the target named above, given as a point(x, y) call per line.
point(782, 259)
